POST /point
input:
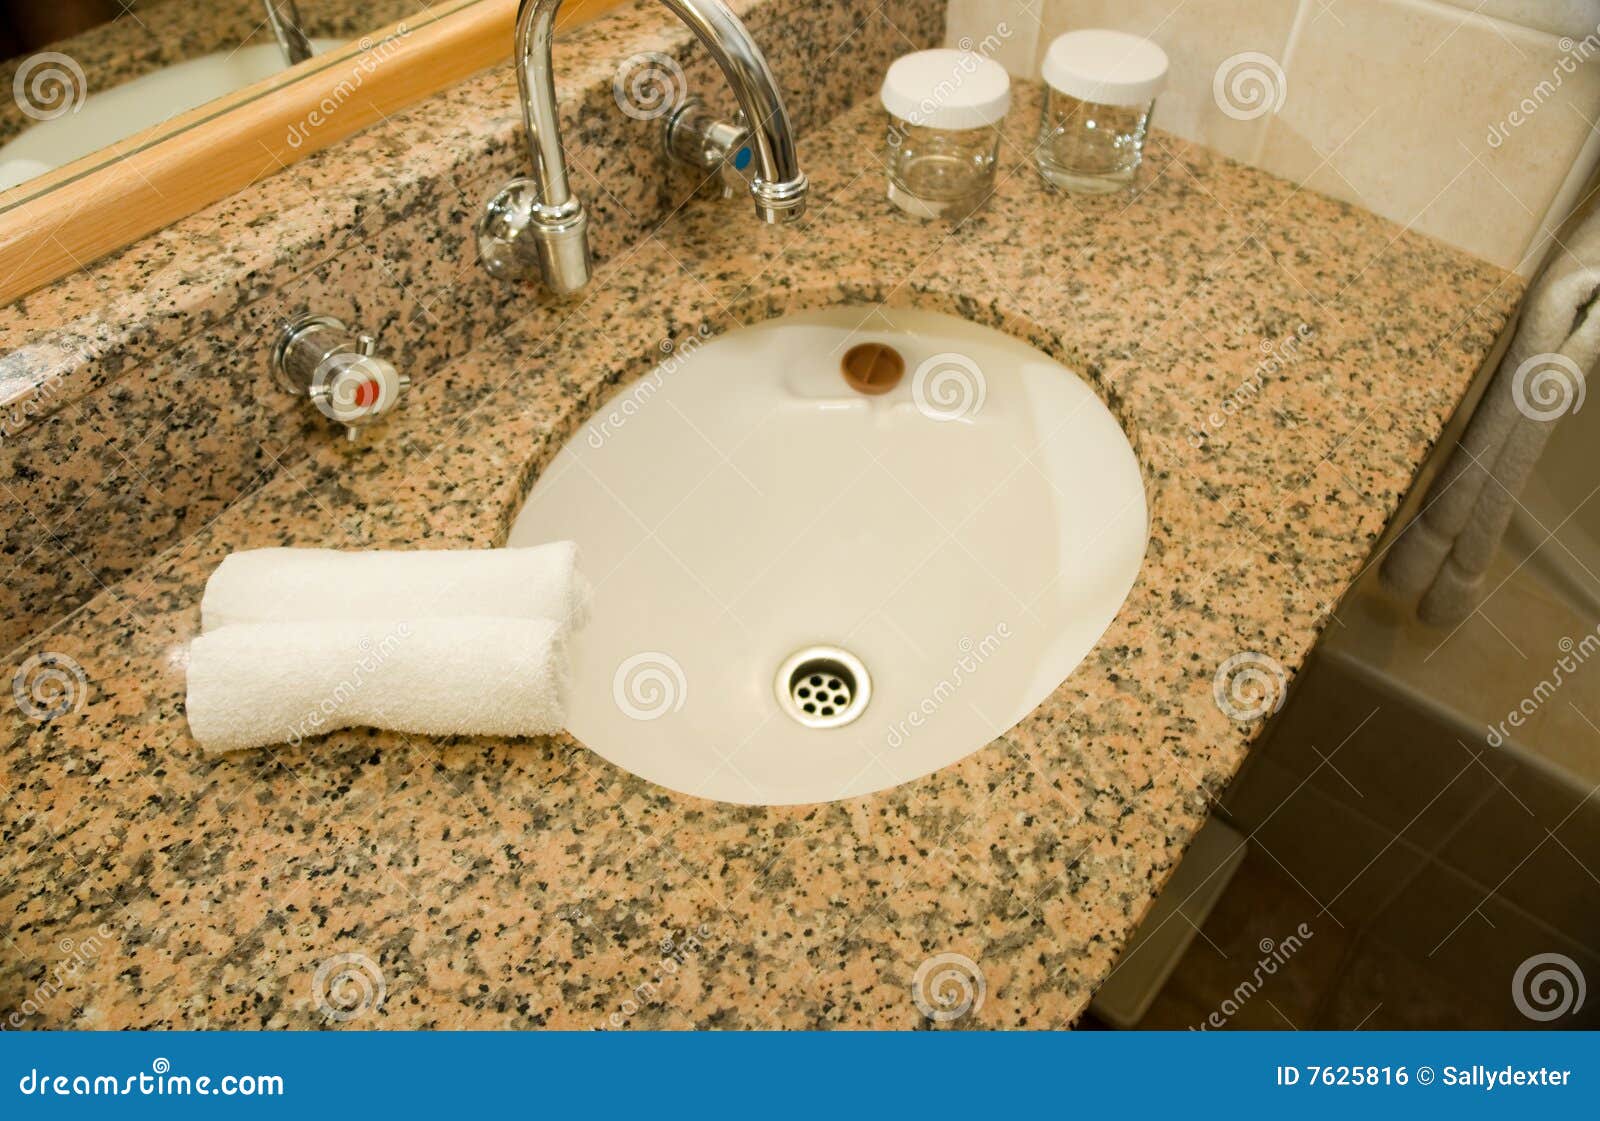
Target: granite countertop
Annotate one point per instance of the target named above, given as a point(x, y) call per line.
point(1283, 364)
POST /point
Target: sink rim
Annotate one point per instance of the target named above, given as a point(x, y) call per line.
point(756, 311)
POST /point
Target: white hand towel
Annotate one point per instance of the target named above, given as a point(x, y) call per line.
point(280, 585)
point(1443, 557)
point(261, 683)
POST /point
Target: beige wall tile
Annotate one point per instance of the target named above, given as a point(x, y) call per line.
point(1198, 36)
point(1391, 105)
point(1009, 27)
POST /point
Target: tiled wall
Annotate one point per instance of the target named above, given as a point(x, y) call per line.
point(1473, 121)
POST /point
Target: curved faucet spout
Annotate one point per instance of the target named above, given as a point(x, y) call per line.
point(537, 221)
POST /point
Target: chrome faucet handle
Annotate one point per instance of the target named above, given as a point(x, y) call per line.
point(318, 357)
point(536, 225)
point(518, 236)
point(698, 138)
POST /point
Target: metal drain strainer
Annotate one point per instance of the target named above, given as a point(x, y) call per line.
point(823, 687)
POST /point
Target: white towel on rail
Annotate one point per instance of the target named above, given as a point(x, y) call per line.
point(1441, 558)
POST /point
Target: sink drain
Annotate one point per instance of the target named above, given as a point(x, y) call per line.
point(823, 687)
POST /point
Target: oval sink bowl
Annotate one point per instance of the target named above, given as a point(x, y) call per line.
point(804, 592)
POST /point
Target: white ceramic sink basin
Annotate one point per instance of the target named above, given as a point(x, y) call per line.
point(967, 536)
point(107, 116)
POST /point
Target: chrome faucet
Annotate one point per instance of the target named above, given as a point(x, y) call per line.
point(288, 30)
point(535, 222)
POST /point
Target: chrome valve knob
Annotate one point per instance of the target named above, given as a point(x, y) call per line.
point(698, 138)
point(318, 357)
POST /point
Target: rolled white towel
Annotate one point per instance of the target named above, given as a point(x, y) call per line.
point(261, 683)
point(279, 585)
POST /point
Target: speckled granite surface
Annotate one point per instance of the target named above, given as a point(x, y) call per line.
point(135, 400)
point(529, 883)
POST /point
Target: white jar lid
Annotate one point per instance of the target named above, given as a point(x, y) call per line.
point(1105, 67)
point(947, 89)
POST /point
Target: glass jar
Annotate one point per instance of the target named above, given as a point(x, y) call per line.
point(1101, 89)
point(945, 109)
point(937, 172)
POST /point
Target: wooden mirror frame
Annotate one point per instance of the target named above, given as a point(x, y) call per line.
point(61, 221)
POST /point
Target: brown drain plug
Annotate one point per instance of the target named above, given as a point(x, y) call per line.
point(872, 368)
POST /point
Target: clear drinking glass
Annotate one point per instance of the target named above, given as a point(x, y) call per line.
point(945, 108)
point(1100, 87)
point(941, 173)
point(1087, 147)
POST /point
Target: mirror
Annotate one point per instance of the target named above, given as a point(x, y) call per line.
point(137, 113)
point(85, 74)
